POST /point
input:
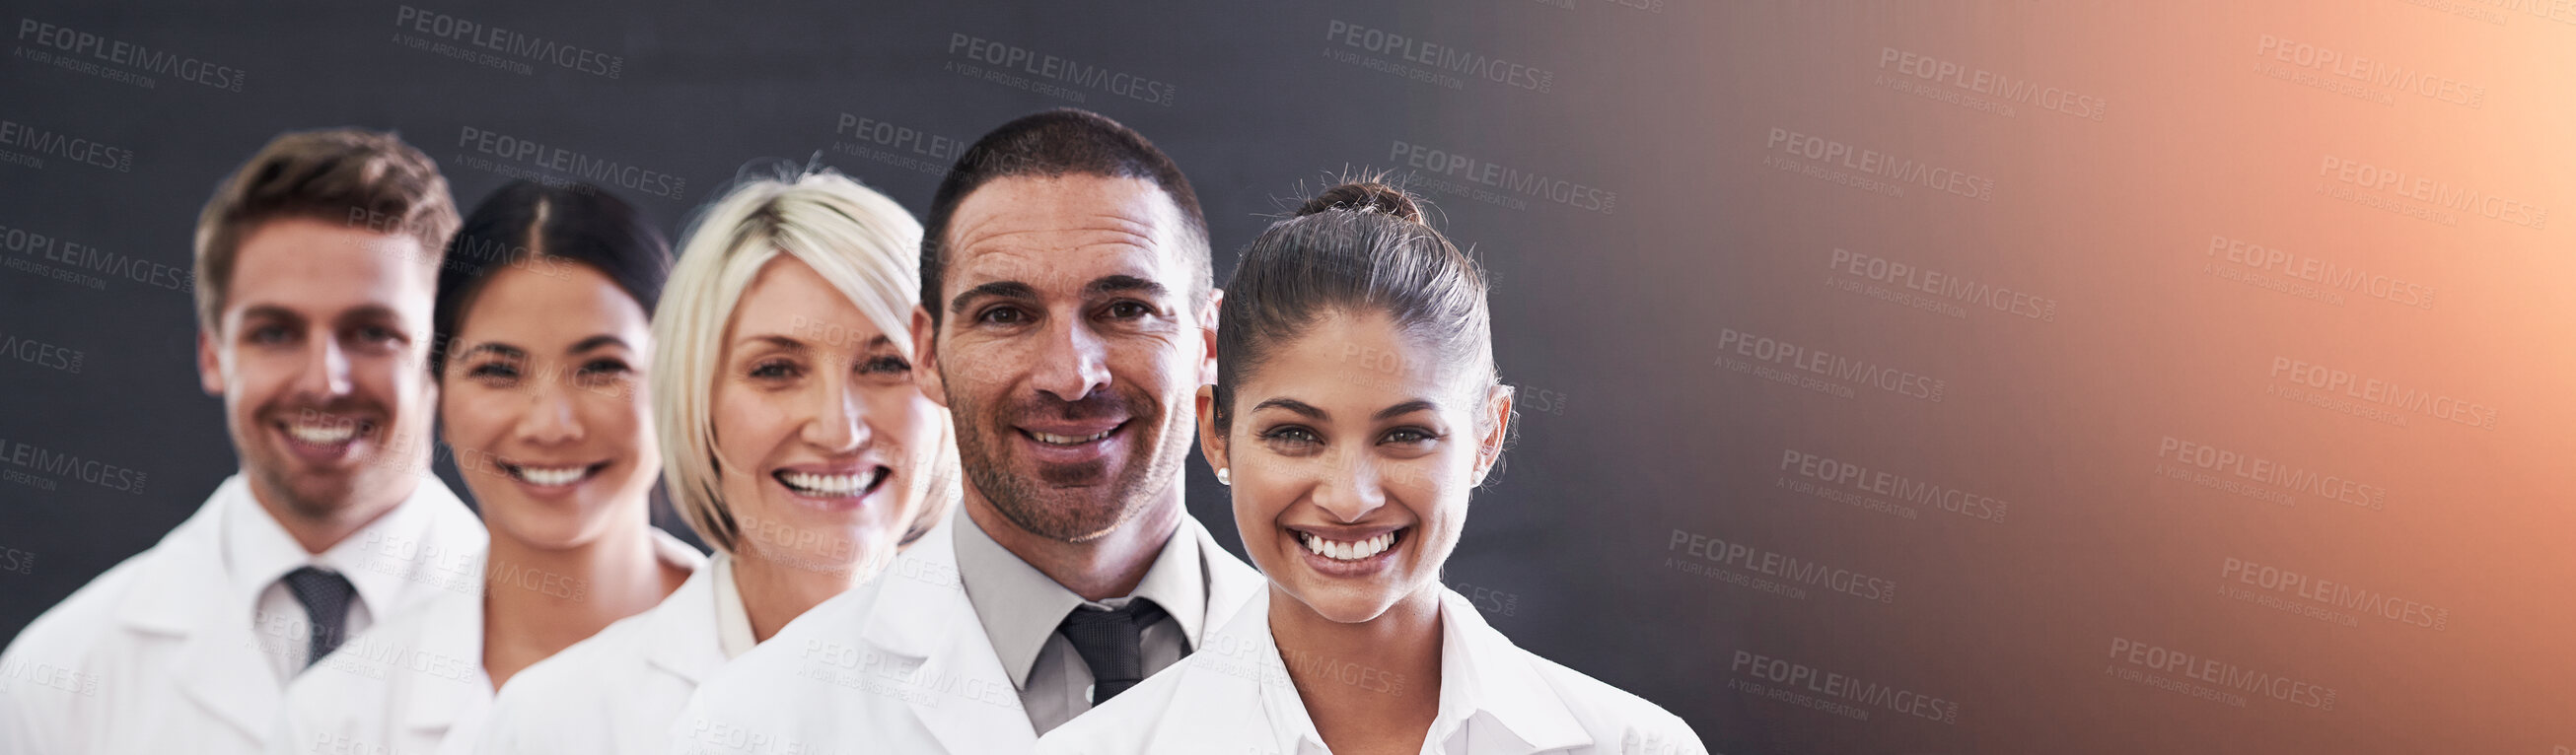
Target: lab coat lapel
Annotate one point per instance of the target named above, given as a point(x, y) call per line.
point(1224, 681)
point(182, 595)
point(681, 640)
point(944, 661)
point(450, 646)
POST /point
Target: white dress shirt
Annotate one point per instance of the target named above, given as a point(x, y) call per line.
point(181, 648)
point(619, 690)
point(413, 684)
point(1235, 696)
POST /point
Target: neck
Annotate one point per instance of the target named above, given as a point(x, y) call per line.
point(775, 593)
point(1108, 566)
point(1389, 703)
point(538, 601)
point(316, 532)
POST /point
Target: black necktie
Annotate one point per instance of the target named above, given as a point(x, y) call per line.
point(1112, 643)
point(325, 596)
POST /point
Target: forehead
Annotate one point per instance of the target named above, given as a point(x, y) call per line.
point(1066, 229)
point(564, 298)
point(1354, 360)
point(319, 267)
point(788, 297)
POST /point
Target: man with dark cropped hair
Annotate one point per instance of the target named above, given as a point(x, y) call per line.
point(1067, 321)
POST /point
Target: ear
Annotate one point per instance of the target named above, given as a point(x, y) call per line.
point(210, 364)
point(925, 357)
point(1207, 335)
point(1211, 441)
point(1489, 447)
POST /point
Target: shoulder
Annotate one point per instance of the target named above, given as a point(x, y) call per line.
point(1615, 717)
point(67, 632)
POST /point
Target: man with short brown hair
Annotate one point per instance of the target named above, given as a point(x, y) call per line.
point(317, 264)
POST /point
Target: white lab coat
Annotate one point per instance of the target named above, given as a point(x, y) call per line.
point(899, 665)
point(618, 690)
point(1234, 696)
point(414, 685)
point(156, 656)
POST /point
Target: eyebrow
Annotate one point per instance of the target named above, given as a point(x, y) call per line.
point(772, 339)
point(505, 350)
point(1310, 412)
point(593, 342)
point(1001, 289)
point(1405, 408)
point(1300, 407)
point(1124, 284)
point(271, 312)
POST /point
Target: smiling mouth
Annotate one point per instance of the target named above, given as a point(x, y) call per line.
point(325, 434)
point(1069, 441)
point(813, 485)
point(1351, 550)
point(550, 477)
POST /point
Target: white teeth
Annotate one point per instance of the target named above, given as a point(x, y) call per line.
point(1069, 440)
point(549, 476)
point(1347, 551)
point(827, 485)
point(323, 434)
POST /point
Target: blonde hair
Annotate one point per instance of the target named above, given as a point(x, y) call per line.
point(862, 243)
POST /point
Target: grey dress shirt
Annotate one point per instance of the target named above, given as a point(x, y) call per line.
point(1021, 606)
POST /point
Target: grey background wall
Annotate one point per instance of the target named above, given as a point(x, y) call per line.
point(1864, 349)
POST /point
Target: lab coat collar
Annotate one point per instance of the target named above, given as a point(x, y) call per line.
point(919, 614)
point(186, 591)
point(1488, 688)
point(1502, 690)
point(682, 636)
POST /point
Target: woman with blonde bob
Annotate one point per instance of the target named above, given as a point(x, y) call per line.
point(793, 439)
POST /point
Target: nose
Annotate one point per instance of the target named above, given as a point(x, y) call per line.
point(839, 420)
point(550, 418)
point(325, 375)
point(1351, 487)
point(1074, 361)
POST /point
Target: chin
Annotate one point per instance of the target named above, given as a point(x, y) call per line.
point(1348, 604)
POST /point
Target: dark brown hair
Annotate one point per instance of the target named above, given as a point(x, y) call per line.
point(1357, 248)
point(1059, 142)
point(359, 178)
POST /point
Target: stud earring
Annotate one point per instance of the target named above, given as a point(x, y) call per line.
point(1222, 478)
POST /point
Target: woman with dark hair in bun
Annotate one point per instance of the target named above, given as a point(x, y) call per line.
point(542, 341)
point(1356, 406)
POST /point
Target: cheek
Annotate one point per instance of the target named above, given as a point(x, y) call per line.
point(472, 416)
point(907, 419)
point(746, 426)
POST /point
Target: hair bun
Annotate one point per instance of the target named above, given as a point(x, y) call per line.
point(1364, 196)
